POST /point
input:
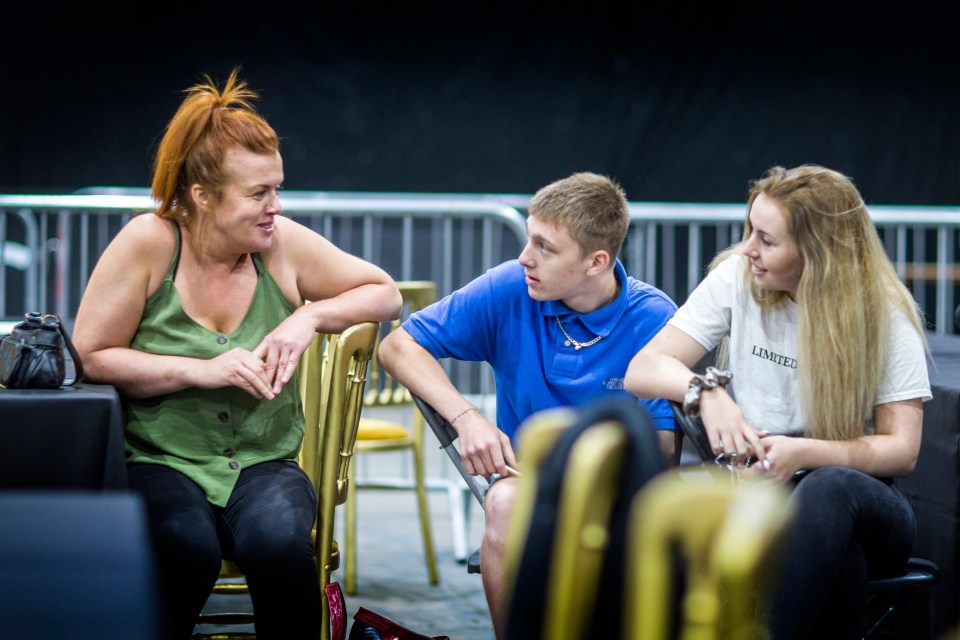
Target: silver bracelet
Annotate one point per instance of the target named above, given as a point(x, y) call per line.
point(713, 378)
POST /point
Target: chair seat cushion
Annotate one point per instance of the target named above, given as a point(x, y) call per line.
point(376, 429)
point(920, 572)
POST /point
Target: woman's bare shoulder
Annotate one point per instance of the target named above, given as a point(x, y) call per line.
point(295, 243)
point(145, 236)
point(293, 231)
point(143, 248)
point(148, 224)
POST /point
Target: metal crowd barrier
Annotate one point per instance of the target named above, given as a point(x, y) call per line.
point(671, 244)
point(50, 244)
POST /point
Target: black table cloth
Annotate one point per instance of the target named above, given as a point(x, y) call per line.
point(67, 438)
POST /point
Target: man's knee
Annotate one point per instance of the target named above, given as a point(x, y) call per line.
point(498, 504)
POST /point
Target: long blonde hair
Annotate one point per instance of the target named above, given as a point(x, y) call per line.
point(847, 292)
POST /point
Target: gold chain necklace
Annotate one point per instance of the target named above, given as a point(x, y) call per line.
point(576, 345)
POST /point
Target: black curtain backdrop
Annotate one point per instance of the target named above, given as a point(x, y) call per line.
point(678, 102)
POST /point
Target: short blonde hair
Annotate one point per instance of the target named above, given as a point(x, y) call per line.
point(593, 208)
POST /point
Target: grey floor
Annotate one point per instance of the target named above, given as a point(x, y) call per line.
point(392, 575)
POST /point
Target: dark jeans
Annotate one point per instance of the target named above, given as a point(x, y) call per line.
point(265, 527)
point(847, 527)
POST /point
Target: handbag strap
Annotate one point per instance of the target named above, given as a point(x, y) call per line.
point(51, 319)
point(338, 611)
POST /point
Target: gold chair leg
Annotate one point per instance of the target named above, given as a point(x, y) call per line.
point(425, 528)
point(350, 541)
point(350, 529)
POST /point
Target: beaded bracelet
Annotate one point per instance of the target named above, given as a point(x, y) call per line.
point(712, 379)
point(463, 413)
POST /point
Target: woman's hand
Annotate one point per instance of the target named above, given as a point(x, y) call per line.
point(280, 350)
point(728, 431)
point(236, 368)
point(264, 371)
point(891, 451)
point(782, 459)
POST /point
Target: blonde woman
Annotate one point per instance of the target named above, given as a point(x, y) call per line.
point(821, 339)
point(196, 313)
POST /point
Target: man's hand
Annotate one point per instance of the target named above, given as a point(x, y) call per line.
point(484, 448)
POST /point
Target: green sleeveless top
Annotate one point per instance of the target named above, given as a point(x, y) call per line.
point(210, 435)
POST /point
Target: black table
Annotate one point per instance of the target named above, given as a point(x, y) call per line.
point(67, 438)
point(934, 491)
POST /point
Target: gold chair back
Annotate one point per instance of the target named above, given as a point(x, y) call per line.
point(725, 534)
point(314, 391)
point(566, 548)
point(343, 379)
point(581, 533)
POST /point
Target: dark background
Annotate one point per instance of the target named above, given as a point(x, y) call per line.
point(679, 102)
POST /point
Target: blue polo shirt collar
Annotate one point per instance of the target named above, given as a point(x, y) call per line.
point(603, 320)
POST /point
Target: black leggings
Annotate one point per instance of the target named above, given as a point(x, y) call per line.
point(848, 527)
point(265, 527)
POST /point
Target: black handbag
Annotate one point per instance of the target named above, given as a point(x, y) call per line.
point(32, 357)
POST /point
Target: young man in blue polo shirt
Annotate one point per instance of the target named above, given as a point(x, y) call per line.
point(558, 326)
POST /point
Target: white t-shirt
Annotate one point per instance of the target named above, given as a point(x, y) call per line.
point(763, 350)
